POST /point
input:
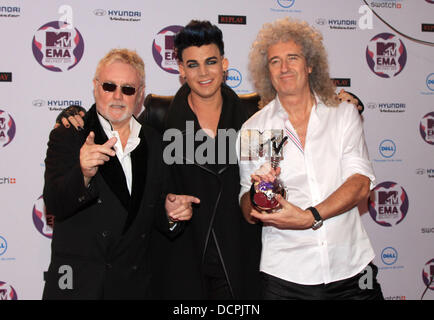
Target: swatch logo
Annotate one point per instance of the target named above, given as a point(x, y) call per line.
point(7, 129)
point(386, 55)
point(41, 219)
point(57, 46)
point(426, 128)
point(163, 49)
point(8, 180)
point(7, 292)
point(388, 204)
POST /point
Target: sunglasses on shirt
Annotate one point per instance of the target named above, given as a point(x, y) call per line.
point(111, 87)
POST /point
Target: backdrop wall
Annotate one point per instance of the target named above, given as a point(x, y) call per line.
point(46, 66)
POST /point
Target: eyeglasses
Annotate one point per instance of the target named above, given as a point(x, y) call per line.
point(111, 87)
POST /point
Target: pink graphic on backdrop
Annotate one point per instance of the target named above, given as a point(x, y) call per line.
point(388, 204)
point(7, 292)
point(163, 49)
point(7, 129)
point(42, 220)
point(57, 46)
point(386, 55)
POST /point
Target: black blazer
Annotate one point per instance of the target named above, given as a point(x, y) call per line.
point(101, 232)
point(218, 216)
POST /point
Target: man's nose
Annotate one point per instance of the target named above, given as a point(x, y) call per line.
point(284, 66)
point(203, 70)
point(117, 94)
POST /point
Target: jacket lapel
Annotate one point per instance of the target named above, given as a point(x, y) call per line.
point(139, 165)
point(111, 171)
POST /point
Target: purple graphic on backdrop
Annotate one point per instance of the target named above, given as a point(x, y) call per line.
point(41, 219)
point(386, 55)
point(7, 292)
point(7, 128)
point(57, 46)
point(426, 128)
point(428, 274)
point(388, 204)
point(163, 49)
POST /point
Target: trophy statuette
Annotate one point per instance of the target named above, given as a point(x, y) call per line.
point(263, 193)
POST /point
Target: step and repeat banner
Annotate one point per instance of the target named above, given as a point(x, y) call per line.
point(380, 51)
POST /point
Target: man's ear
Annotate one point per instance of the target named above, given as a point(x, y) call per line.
point(95, 86)
point(181, 69)
point(225, 64)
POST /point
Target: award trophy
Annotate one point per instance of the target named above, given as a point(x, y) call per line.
point(262, 194)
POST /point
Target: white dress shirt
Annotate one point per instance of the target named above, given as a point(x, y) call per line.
point(334, 150)
point(124, 156)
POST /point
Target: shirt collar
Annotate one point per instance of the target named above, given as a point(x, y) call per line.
point(133, 139)
point(135, 126)
point(279, 111)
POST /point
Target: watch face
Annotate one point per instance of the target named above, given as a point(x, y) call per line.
point(317, 224)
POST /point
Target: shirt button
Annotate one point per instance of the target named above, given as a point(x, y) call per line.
point(105, 233)
point(99, 201)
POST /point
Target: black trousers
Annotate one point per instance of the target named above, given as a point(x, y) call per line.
point(363, 286)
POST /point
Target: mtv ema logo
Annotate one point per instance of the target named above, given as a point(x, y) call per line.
point(7, 292)
point(428, 274)
point(386, 55)
point(42, 220)
point(163, 49)
point(57, 46)
point(7, 129)
point(388, 204)
point(426, 128)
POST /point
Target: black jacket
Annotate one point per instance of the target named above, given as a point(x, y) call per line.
point(217, 218)
point(101, 232)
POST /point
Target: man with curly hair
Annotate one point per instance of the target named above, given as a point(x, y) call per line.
point(315, 247)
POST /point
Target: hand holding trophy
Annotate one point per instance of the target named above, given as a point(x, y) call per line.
point(263, 192)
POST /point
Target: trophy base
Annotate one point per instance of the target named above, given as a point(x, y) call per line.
point(262, 196)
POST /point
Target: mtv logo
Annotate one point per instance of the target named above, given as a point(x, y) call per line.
point(59, 40)
point(169, 42)
point(386, 49)
point(388, 197)
point(255, 144)
point(5, 293)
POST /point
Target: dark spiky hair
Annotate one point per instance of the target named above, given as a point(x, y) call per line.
point(197, 33)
